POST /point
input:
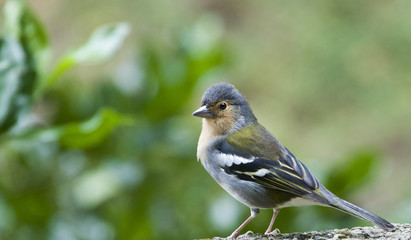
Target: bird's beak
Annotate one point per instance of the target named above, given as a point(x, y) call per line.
point(203, 112)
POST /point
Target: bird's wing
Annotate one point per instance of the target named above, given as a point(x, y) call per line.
point(285, 174)
point(278, 170)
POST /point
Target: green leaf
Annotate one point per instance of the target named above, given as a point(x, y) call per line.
point(101, 46)
point(22, 25)
point(13, 12)
point(23, 59)
point(80, 135)
point(91, 132)
point(12, 67)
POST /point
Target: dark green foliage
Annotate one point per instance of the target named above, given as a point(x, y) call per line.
point(73, 174)
point(14, 80)
point(351, 174)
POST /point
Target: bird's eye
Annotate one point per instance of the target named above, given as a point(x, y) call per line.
point(223, 105)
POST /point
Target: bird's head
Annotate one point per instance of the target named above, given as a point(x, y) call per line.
point(225, 108)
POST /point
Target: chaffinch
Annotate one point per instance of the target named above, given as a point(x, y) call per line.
point(251, 165)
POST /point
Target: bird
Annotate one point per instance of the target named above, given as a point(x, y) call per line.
point(248, 162)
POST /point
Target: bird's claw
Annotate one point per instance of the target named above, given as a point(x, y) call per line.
point(235, 236)
point(247, 234)
point(275, 231)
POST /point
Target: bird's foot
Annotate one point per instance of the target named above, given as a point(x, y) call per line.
point(246, 234)
point(275, 231)
point(235, 235)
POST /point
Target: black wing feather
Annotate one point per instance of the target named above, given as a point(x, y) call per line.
point(301, 170)
point(285, 174)
point(276, 177)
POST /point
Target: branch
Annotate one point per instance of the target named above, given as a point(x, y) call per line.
point(402, 231)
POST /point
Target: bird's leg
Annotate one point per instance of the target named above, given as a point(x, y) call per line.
point(275, 213)
point(254, 212)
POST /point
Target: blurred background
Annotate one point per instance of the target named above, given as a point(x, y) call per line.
point(97, 140)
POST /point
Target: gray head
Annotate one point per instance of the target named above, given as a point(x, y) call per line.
point(222, 92)
point(224, 104)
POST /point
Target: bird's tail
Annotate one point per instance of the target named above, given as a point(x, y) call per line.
point(327, 198)
point(351, 209)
